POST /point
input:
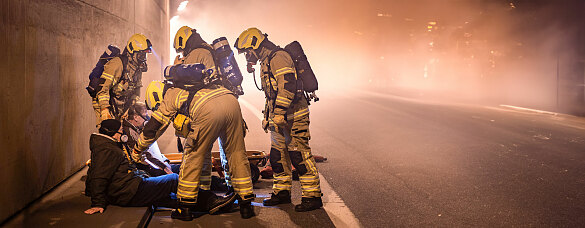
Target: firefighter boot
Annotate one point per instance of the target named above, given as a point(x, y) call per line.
point(309, 204)
point(214, 202)
point(280, 198)
point(246, 209)
point(183, 212)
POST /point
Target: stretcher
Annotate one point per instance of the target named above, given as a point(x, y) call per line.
point(257, 159)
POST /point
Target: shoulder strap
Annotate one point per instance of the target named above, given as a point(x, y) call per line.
point(215, 60)
point(185, 106)
point(271, 56)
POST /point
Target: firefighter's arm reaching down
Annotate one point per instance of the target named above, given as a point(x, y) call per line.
point(160, 120)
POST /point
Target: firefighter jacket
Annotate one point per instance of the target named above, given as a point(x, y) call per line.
point(201, 55)
point(109, 177)
point(175, 97)
point(119, 86)
point(279, 82)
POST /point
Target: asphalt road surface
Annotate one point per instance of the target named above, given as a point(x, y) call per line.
point(399, 161)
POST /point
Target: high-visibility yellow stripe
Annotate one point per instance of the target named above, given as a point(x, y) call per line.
point(239, 180)
point(242, 189)
point(283, 101)
point(242, 182)
point(160, 117)
point(186, 192)
point(284, 70)
point(181, 97)
point(193, 184)
point(141, 144)
point(308, 177)
point(298, 114)
point(186, 195)
point(309, 162)
point(206, 97)
point(190, 182)
point(283, 178)
point(310, 187)
point(104, 98)
point(282, 185)
point(107, 76)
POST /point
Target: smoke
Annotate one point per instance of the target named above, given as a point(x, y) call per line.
point(505, 51)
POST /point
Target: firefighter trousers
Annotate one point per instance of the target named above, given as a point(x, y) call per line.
point(290, 145)
point(219, 117)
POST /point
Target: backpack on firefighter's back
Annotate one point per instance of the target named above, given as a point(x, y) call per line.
point(306, 75)
point(93, 87)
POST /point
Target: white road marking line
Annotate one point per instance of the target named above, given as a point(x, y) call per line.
point(338, 212)
point(528, 109)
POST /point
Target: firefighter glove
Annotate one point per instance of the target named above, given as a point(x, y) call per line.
point(136, 156)
point(279, 120)
point(105, 114)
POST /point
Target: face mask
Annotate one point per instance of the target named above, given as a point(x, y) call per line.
point(251, 57)
point(140, 58)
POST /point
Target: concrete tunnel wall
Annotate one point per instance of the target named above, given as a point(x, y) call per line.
point(48, 49)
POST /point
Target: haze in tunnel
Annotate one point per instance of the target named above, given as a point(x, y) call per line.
point(506, 51)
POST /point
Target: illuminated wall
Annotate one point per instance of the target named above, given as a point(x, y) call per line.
point(48, 49)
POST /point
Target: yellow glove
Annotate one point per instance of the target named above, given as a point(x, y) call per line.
point(105, 114)
point(279, 120)
point(136, 156)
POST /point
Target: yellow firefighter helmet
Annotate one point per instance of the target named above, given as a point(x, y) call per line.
point(181, 37)
point(154, 95)
point(250, 38)
point(138, 42)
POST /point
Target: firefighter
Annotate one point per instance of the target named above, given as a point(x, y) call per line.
point(195, 50)
point(214, 113)
point(119, 85)
point(287, 117)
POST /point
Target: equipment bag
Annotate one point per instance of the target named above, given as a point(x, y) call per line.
point(93, 86)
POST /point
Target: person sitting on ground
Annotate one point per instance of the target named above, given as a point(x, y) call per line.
point(153, 162)
point(110, 180)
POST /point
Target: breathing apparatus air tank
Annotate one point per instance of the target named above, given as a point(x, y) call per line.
point(228, 65)
point(187, 74)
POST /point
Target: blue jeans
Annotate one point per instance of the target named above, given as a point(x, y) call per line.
point(157, 191)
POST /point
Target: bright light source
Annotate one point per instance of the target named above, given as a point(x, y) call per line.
point(182, 5)
point(433, 23)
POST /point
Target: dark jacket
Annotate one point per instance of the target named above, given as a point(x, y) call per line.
point(109, 177)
